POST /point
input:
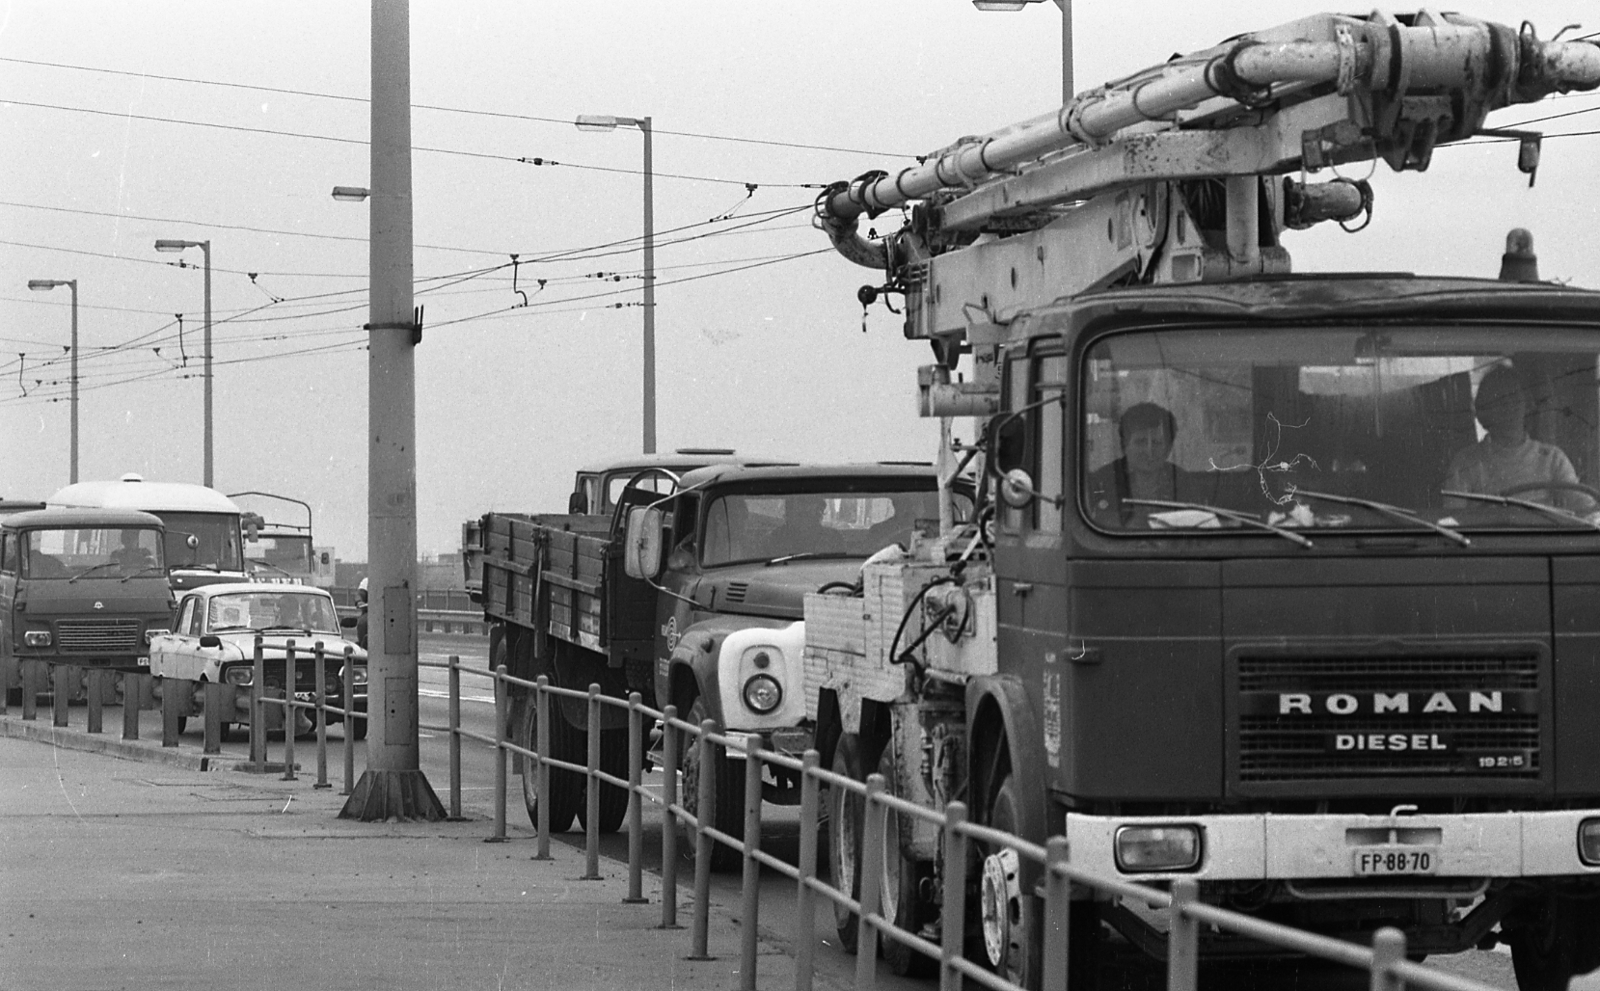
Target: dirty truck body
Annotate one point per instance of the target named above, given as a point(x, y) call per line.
point(1328, 651)
point(714, 631)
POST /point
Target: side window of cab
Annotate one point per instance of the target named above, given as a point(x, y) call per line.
point(8, 552)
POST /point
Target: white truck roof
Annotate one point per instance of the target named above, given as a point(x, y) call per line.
point(133, 492)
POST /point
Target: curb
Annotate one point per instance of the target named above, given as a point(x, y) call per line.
point(43, 731)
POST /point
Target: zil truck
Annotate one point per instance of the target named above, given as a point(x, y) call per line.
point(278, 547)
point(1281, 582)
point(704, 615)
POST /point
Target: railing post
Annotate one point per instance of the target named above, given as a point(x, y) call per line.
point(703, 844)
point(751, 908)
point(1388, 949)
point(502, 705)
point(347, 682)
point(669, 819)
point(61, 678)
point(132, 693)
point(1183, 937)
point(1057, 914)
point(455, 736)
point(541, 703)
point(875, 814)
point(635, 894)
point(290, 714)
point(805, 898)
point(258, 709)
point(96, 688)
point(591, 791)
point(954, 903)
point(321, 711)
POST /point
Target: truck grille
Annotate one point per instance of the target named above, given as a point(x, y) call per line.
point(1299, 745)
point(99, 636)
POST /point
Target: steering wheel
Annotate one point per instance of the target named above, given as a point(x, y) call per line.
point(1587, 490)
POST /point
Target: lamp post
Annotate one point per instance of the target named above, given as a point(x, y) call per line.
point(598, 122)
point(1066, 36)
point(167, 244)
point(44, 284)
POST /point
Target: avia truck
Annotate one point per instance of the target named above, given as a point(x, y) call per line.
point(704, 615)
point(1281, 582)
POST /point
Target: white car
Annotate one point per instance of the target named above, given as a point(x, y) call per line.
point(214, 641)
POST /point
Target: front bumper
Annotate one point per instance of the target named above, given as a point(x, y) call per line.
point(791, 741)
point(1289, 847)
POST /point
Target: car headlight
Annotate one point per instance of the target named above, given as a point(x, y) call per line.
point(358, 675)
point(241, 674)
point(1589, 841)
point(36, 638)
point(150, 635)
point(762, 693)
point(1158, 848)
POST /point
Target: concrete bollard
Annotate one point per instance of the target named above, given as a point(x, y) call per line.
point(63, 680)
point(30, 689)
point(174, 706)
point(96, 678)
point(216, 700)
point(132, 692)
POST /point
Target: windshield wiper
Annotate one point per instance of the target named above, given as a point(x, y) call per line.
point(801, 556)
point(1388, 510)
point(1227, 514)
point(92, 569)
point(149, 567)
point(1555, 511)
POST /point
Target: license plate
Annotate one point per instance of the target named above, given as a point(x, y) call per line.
point(143, 662)
point(1380, 861)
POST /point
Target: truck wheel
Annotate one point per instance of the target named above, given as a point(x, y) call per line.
point(613, 800)
point(1010, 921)
point(902, 882)
point(727, 801)
point(566, 788)
point(1541, 951)
point(844, 838)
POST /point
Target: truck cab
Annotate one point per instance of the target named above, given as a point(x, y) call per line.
point(204, 538)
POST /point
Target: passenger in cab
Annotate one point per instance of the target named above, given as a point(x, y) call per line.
point(1507, 457)
point(1147, 432)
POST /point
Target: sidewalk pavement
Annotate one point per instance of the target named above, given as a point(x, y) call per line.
point(151, 873)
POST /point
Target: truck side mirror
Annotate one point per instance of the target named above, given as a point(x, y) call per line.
point(210, 640)
point(192, 542)
point(1007, 444)
point(641, 556)
point(1016, 488)
point(577, 505)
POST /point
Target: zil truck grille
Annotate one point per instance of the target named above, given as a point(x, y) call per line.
point(98, 636)
point(1332, 718)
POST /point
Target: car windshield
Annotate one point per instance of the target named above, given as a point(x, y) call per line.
point(769, 526)
point(217, 535)
point(97, 552)
point(1376, 427)
point(308, 611)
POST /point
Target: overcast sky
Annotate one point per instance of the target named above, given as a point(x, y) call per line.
point(125, 122)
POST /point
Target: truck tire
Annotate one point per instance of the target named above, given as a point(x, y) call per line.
point(902, 884)
point(727, 802)
point(613, 800)
point(844, 838)
point(1542, 950)
point(566, 788)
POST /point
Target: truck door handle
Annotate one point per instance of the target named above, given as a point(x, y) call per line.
point(1021, 588)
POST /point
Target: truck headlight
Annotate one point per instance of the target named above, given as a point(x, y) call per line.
point(37, 638)
point(358, 675)
point(242, 674)
point(1589, 841)
point(150, 635)
point(1158, 848)
point(762, 693)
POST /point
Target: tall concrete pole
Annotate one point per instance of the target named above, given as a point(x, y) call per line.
point(205, 246)
point(649, 293)
point(393, 785)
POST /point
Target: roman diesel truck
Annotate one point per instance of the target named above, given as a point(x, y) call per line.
point(1281, 582)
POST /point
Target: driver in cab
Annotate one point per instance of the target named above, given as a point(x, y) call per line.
point(1507, 459)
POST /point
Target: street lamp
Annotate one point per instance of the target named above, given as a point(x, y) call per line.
point(169, 245)
point(1066, 35)
point(46, 284)
point(600, 122)
point(351, 194)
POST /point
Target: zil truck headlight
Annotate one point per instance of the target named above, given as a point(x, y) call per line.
point(240, 674)
point(37, 638)
point(358, 675)
point(1589, 841)
point(762, 693)
point(1158, 848)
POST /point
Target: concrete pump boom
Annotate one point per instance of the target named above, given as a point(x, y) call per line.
point(1401, 87)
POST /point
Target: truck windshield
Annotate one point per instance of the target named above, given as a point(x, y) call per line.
point(289, 554)
point(110, 552)
point(764, 526)
point(218, 536)
point(1377, 427)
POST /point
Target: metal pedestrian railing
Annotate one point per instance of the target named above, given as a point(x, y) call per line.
point(1385, 961)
